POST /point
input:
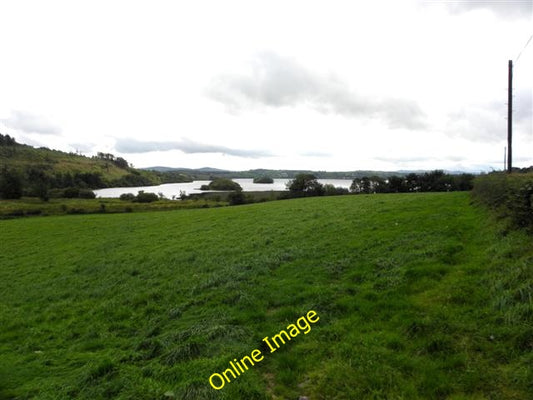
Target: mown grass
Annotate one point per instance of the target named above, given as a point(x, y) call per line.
point(31, 206)
point(419, 297)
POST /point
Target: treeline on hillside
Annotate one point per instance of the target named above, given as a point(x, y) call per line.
point(27, 171)
point(118, 161)
point(41, 181)
point(510, 196)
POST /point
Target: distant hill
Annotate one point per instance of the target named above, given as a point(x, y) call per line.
point(208, 173)
point(43, 167)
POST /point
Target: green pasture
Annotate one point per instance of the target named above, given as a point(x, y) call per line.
point(420, 296)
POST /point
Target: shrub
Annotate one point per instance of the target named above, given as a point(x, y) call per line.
point(16, 213)
point(86, 194)
point(55, 193)
point(143, 197)
point(36, 211)
point(510, 195)
point(127, 196)
point(330, 190)
point(71, 192)
point(236, 198)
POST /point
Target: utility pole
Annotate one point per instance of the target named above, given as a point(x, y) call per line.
point(504, 158)
point(510, 119)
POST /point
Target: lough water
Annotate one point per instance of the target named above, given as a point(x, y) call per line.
point(173, 189)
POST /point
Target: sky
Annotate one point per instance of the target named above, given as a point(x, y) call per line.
point(321, 85)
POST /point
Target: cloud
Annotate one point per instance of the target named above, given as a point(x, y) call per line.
point(488, 122)
point(30, 123)
point(404, 159)
point(523, 106)
point(485, 123)
point(185, 145)
point(30, 141)
point(503, 8)
point(275, 81)
point(316, 154)
point(82, 147)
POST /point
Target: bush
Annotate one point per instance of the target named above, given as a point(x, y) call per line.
point(71, 193)
point(236, 198)
point(143, 197)
point(510, 195)
point(36, 211)
point(330, 190)
point(55, 193)
point(86, 194)
point(16, 213)
point(127, 196)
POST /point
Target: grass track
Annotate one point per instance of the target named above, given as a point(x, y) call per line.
point(419, 297)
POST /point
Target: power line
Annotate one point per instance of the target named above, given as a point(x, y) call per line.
point(521, 51)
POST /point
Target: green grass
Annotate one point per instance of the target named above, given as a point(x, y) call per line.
point(31, 206)
point(419, 297)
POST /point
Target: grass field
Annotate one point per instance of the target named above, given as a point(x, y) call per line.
point(32, 206)
point(420, 296)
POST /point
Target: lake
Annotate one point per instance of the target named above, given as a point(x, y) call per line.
point(173, 189)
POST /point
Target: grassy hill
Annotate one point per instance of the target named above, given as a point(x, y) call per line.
point(22, 156)
point(38, 165)
point(420, 296)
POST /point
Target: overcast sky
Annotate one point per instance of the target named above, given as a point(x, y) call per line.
point(322, 85)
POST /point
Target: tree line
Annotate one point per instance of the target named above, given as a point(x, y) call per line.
point(434, 181)
point(307, 185)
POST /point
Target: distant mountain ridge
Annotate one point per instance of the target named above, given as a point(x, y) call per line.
point(207, 173)
point(171, 169)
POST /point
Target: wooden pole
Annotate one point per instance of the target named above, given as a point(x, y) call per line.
point(510, 119)
point(504, 158)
